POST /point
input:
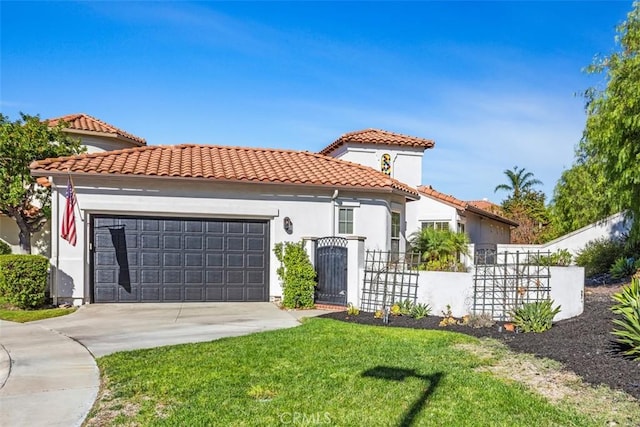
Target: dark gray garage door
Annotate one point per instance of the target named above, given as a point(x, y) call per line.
point(169, 260)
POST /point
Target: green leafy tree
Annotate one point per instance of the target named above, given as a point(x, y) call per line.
point(21, 142)
point(611, 137)
point(533, 217)
point(520, 182)
point(579, 197)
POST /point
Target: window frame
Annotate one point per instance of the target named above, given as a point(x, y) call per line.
point(348, 223)
point(395, 232)
point(435, 224)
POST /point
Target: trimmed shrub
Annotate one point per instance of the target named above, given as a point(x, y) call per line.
point(23, 279)
point(628, 307)
point(535, 316)
point(5, 249)
point(297, 275)
point(598, 255)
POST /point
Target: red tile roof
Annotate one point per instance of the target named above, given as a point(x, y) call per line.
point(379, 137)
point(448, 199)
point(486, 205)
point(85, 123)
point(480, 207)
point(222, 163)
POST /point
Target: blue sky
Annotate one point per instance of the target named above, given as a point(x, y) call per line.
point(495, 84)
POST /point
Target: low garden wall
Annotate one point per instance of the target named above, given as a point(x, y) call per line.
point(439, 289)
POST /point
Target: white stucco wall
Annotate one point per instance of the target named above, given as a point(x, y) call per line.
point(406, 161)
point(486, 230)
point(9, 233)
point(98, 144)
point(309, 208)
point(428, 209)
point(439, 288)
point(614, 226)
point(456, 289)
point(479, 229)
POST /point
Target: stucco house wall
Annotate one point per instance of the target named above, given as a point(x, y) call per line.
point(612, 227)
point(406, 162)
point(310, 209)
point(486, 230)
point(428, 209)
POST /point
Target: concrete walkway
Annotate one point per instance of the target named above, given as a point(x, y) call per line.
point(48, 376)
point(48, 379)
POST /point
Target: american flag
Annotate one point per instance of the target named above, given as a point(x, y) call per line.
point(68, 229)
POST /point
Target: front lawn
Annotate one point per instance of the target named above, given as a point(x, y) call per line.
point(16, 315)
point(324, 372)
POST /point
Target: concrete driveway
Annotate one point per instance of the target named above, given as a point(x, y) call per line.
point(107, 328)
point(48, 376)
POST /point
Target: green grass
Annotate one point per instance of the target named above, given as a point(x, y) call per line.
point(323, 372)
point(22, 316)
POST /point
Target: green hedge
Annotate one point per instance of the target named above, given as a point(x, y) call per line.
point(23, 279)
point(5, 249)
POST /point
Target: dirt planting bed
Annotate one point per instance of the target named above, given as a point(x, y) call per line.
point(583, 344)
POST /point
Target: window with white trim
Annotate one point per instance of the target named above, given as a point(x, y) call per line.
point(437, 225)
point(395, 232)
point(461, 227)
point(345, 221)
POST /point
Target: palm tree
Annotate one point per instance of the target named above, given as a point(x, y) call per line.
point(520, 182)
point(445, 246)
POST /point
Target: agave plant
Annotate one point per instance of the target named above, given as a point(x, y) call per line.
point(628, 307)
point(535, 316)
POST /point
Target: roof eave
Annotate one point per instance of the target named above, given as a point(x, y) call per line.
point(488, 214)
point(386, 189)
point(106, 135)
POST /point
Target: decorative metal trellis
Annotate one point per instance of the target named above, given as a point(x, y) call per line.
point(389, 277)
point(507, 280)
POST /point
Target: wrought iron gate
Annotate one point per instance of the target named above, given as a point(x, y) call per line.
point(508, 281)
point(389, 277)
point(331, 266)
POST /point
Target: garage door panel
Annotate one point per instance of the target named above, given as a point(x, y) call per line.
point(193, 226)
point(255, 261)
point(126, 295)
point(172, 225)
point(173, 241)
point(235, 244)
point(169, 259)
point(235, 228)
point(151, 294)
point(235, 278)
point(150, 277)
point(150, 259)
point(255, 294)
point(150, 241)
point(194, 277)
point(255, 244)
point(215, 277)
point(235, 260)
point(193, 243)
point(214, 293)
point(171, 277)
point(215, 260)
point(256, 278)
point(172, 294)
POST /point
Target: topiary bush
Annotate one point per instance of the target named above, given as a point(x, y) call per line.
point(5, 249)
point(628, 307)
point(23, 280)
point(535, 316)
point(297, 275)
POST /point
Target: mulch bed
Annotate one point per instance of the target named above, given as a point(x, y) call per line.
point(583, 344)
